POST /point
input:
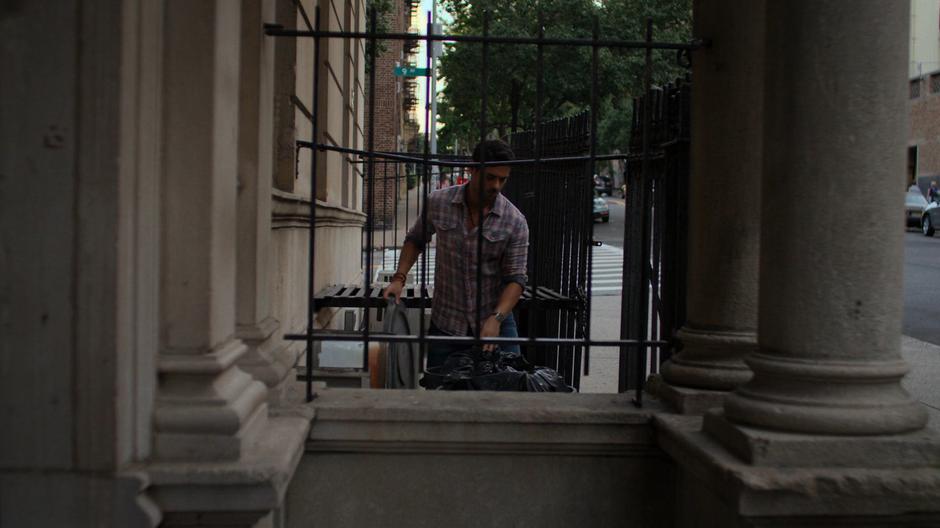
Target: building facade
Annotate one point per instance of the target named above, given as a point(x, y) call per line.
point(154, 220)
point(923, 157)
point(393, 124)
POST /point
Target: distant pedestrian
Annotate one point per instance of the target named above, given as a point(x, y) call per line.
point(445, 182)
point(933, 194)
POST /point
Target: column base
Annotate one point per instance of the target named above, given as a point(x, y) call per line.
point(718, 489)
point(208, 408)
point(685, 400)
point(761, 447)
point(239, 493)
point(826, 397)
point(711, 359)
point(268, 358)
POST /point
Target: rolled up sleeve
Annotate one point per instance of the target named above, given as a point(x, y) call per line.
point(516, 257)
point(420, 233)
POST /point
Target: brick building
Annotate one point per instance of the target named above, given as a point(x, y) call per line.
point(923, 150)
point(395, 101)
point(923, 147)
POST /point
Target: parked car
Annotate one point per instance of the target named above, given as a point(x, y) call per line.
point(603, 185)
point(914, 205)
point(601, 210)
point(930, 219)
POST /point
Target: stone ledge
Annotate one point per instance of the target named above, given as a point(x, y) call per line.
point(759, 447)
point(293, 210)
point(792, 495)
point(361, 420)
point(257, 482)
point(259, 331)
point(685, 400)
point(214, 362)
point(480, 407)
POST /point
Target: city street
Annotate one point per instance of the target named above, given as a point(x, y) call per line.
point(922, 287)
point(611, 233)
point(921, 274)
point(921, 311)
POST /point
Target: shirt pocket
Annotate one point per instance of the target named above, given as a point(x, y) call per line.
point(448, 237)
point(494, 246)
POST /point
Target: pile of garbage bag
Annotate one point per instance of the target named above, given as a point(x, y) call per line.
point(496, 370)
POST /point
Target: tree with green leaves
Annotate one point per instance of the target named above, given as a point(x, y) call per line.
point(511, 74)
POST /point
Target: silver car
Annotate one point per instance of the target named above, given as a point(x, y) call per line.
point(914, 205)
point(930, 219)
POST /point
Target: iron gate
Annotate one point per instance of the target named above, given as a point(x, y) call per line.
point(557, 302)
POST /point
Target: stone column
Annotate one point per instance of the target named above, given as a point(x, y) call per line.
point(830, 288)
point(268, 358)
point(724, 207)
point(207, 408)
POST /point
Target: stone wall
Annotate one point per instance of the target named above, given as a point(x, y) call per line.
point(79, 170)
point(340, 105)
point(416, 458)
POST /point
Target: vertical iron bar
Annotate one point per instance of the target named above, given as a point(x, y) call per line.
point(629, 271)
point(567, 266)
point(645, 254)
point(533, 233)
point(395, 207)
point(428, 43)
point(370, 214)
point(311, 250)
point(658, 217)
point(385, 179)
point(481, 175)
point(590, 206)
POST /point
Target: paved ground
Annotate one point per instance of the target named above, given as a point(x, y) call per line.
point(922, 287)
point(605, 361)
point(923, 381)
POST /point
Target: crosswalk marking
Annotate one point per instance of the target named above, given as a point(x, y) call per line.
point(606, 268)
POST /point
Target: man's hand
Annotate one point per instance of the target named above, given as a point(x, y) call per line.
point(393, 290)
point(490, 329)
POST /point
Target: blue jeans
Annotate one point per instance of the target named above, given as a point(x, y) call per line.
point(438, 352)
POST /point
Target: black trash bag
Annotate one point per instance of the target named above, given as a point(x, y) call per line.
point(476, 369)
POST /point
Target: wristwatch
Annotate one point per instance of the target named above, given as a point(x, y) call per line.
point(500, 317)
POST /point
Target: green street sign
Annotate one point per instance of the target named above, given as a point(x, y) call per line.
point(410, 71)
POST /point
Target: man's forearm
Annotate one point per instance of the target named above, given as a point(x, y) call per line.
point(409, 255)
point(509, 298)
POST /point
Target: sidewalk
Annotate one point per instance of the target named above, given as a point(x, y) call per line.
point(605, 361)
point(922, 382)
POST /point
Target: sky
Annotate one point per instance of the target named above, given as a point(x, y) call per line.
point(421, 59)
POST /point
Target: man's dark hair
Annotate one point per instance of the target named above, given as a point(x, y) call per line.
point(494, 150)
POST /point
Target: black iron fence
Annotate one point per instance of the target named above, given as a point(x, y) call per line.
point(556, 199)
point(653, 305)
point(554, 166)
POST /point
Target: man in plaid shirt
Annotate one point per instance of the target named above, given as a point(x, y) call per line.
point(453, 213)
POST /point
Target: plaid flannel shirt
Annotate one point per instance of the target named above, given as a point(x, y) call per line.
point(505, 252)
